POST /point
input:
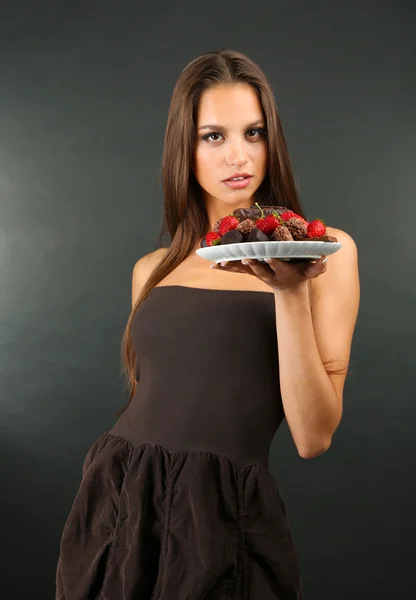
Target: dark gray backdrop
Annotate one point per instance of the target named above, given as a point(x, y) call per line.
point(85, 88)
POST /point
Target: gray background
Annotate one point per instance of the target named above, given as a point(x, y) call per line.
point(85, 88)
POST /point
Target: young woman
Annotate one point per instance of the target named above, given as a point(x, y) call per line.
point(176, 500)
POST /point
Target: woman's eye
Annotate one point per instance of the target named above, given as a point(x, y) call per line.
point(210, 135)
point(259, 131)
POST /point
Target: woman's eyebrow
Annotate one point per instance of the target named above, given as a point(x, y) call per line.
point(209, 126)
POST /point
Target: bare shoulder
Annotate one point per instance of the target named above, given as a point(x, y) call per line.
point(341, 265)
point(142, 270)
point(343, 237)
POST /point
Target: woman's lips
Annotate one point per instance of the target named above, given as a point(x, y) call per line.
point(238, 185)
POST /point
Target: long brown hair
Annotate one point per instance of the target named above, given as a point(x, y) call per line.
point(185, 217)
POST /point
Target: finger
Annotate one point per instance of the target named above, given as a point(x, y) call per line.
point(276, 264)
point(317, 267)
point(234, 266)
point(257, 267)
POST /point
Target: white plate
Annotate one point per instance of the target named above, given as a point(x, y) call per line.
point(312, 250)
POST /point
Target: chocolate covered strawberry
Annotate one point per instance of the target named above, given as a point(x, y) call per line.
point(217, 225)
point(255, 211)
point(281, 234)
point(246, 226)
point(232, 237)
point(297, 227)
point(256, 235)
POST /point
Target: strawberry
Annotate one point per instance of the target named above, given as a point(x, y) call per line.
point(227, 224)
point(289, 214)
point(268, 224)
point(316, 228)
point(212, 238)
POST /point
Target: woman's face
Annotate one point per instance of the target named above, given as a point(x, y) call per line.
point(230, 139)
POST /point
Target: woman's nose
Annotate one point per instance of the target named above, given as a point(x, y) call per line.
point(236, 155)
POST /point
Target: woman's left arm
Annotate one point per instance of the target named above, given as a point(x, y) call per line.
point(315, 325)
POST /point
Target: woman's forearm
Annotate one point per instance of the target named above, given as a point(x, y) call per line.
point(309, 399)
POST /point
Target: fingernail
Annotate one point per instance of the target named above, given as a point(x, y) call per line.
point(267, 260)
point(244, 261)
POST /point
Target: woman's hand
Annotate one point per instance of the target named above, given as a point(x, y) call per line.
point(278, 274)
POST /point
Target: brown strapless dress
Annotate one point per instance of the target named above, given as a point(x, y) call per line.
point(176, 501)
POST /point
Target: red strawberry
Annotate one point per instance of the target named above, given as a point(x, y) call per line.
point(289, 214)
point(227, 224)
point(316, 228)
point(268, 224)
point(212, 238)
